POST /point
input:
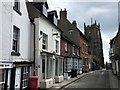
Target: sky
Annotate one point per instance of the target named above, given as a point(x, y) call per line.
point(105, 13)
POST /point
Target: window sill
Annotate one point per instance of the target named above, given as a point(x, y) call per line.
point(15, 53)
point(17, 11)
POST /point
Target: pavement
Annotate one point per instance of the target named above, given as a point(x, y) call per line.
point(58, 86)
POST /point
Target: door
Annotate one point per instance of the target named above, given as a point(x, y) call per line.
point(17, 78)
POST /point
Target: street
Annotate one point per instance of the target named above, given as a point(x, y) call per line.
point(96, 79)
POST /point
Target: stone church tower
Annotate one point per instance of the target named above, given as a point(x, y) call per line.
point(93, 34)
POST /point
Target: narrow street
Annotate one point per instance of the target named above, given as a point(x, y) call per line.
point(96, 79)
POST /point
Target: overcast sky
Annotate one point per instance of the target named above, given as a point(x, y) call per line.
point(105, 13)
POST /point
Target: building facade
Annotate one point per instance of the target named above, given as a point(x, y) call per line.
point(93, 34)
point(70, 48)
point(85, 56)
point(115, 53)
point(15, 56)
point(48, 62)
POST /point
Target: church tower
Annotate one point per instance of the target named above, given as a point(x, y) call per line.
point(93, 34)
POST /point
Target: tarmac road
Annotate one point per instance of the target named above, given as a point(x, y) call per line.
point(99, 79)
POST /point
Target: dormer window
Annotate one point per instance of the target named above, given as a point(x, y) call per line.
point(44, 10)
point(55, 20)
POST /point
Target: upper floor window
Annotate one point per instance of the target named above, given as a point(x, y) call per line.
point(16, 37)
point(78, 52)
point(73, 49)
point(55, 20)
point(44, 41)
point(17, 6)
point(57, 46)
point(45, 10)
point(66, 46)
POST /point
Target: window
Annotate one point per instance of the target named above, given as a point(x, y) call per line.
point(73, 49)
point(58, 67)
point(66, 46)
point(25, 79)
point(45, 10)
point(17, 6)
point(78, 52)
point(68, 65)
point(49, 67)
point(44, 41)
point(16, 37)
point(57, 47)
point(2, 79)
point(43, 67)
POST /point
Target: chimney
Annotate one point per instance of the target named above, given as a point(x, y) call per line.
point(74, 23)
point(63, 14)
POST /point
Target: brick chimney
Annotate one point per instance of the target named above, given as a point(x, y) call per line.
point(74, 23)
point(63, 14)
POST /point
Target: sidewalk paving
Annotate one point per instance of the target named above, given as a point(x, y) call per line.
point(61, 85)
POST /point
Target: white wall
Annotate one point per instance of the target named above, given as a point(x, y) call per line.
point(9, 18)
point(6, 29)
point(0, 31)
point(49, 29)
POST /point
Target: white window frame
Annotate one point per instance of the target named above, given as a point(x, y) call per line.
point(45, 10)
point(25, 80)
point(66, 46)
point(73, 49)
point(44, 41)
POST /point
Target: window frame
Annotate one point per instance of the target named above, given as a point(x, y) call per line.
point(66, 46)
point(16, 41)
point(45, 41)
point(25, 78)
point(16, 6)
point(56, 46)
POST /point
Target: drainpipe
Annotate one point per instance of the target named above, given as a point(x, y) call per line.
point(34, 48)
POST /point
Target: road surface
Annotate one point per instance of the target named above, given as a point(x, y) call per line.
point(99, 79)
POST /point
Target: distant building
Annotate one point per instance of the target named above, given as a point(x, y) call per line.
point(115, 53)
point(84, 51)
point(93, 35)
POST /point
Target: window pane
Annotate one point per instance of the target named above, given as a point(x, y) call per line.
point(49, 68)
point(56, 67)
point(60, 67)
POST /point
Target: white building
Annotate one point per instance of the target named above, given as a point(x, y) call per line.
point(15, 39)
point(48, 62)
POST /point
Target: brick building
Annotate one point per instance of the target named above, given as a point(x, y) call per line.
point(84, 54)
point(70, 46)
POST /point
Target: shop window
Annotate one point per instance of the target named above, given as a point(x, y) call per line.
point(2, 79)
point(25, 79)
point(49, 67)
point(43, 67)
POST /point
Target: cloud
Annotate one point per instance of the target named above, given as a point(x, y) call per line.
point(97, 11)
point(106, 13)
